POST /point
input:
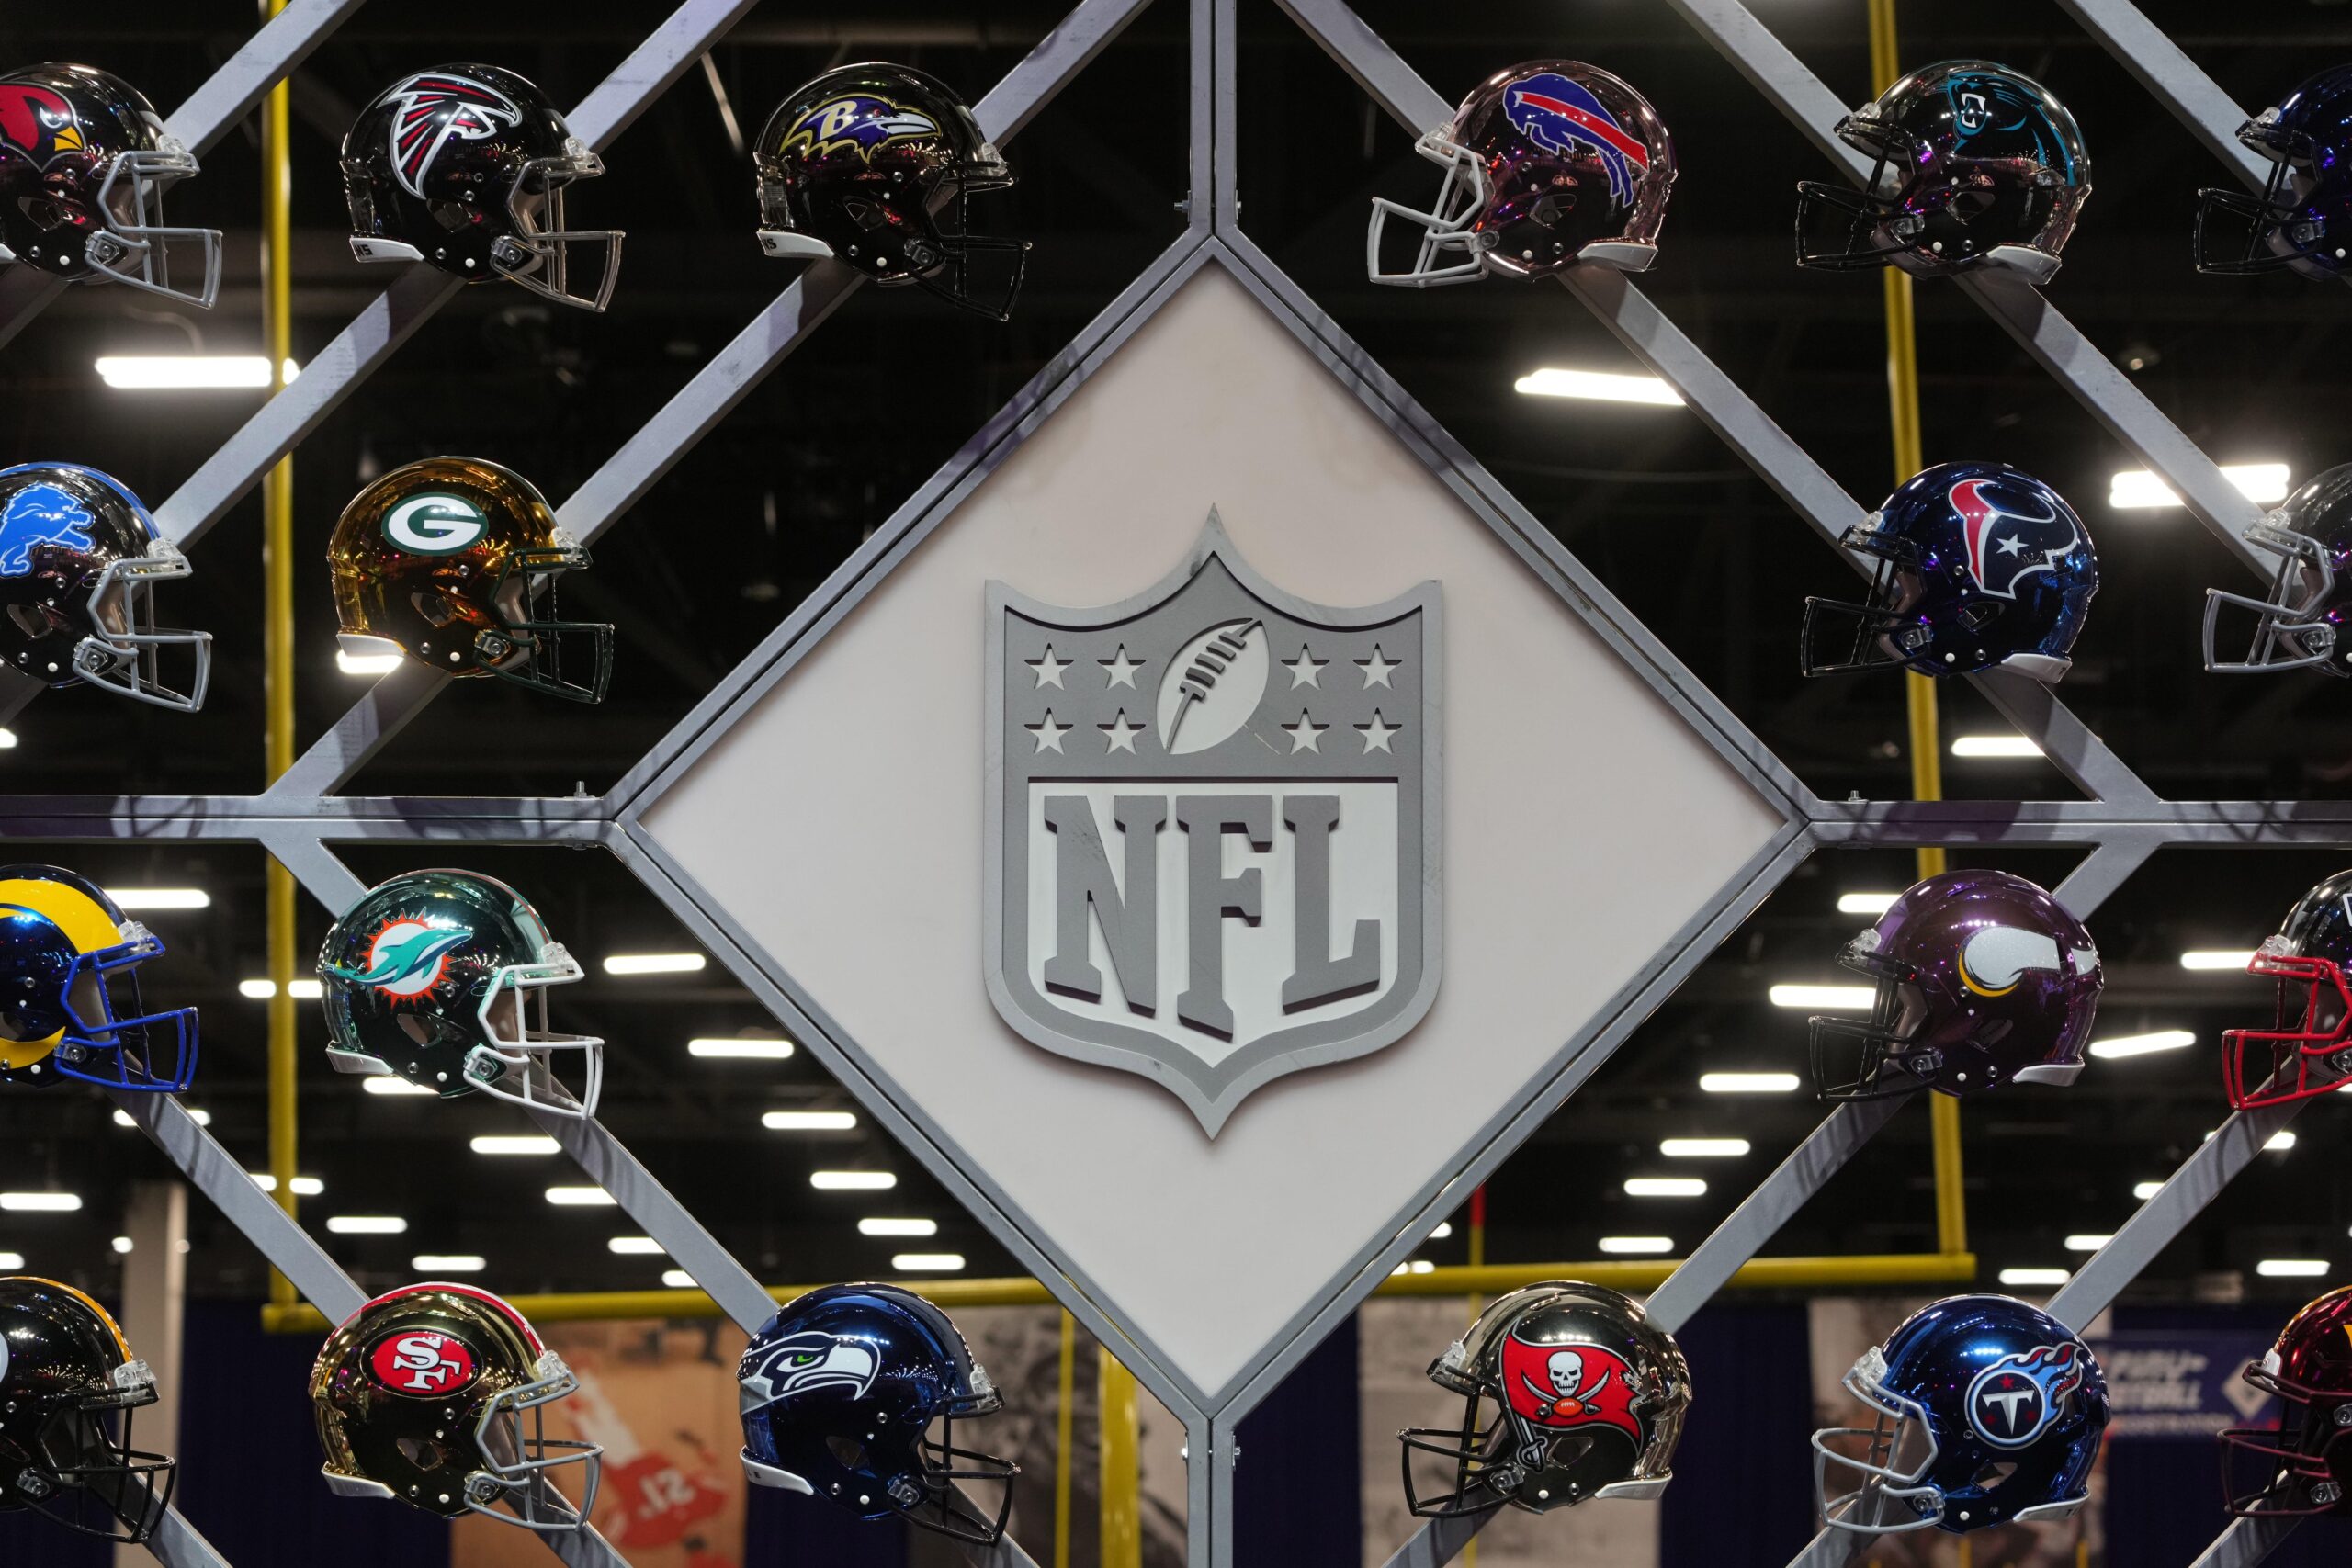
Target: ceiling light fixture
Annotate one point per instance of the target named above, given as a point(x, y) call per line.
point(1833, 999)
point(1596, 386)
point(188, 372)
point(654, 963)
point(1748, 1083)
point(2142, 1044)
point(741, 1049)
point(2138, 489)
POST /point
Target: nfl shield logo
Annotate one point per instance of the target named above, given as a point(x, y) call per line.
point(1213, 812)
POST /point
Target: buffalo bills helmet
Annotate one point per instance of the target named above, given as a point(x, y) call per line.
point(1980, 567)
point(2301, 624)
point(839, 1393)
point(1986, 1412)
point(2307, 1050)
point(2302, 220)
point(1547, 165)
point(69, 1384)
point(70, 1002)
point(2301, 1464)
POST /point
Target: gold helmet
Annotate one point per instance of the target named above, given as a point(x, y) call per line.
point(453, 561)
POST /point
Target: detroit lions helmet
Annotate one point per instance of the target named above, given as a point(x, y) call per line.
point(840, 1392)
point(79, 562)
point(69, 1385)
point(2307, 1050)
point(466, 166)
point(1986, 1412)
point(2302, 220)
point(2301, 1464)
point(1977, 166)
point(2302, 622)
point(1547, 165)
point(428, 977)
point(1983, 979)
point(1980, 567)
point(84, 160)
point(70, 1002)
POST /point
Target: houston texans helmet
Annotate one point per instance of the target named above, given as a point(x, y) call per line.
point(2301, 1464)
point(1980, 567)
point(69, 1001)
point(2307, 1050)
point(2302, 220)
point(69, 1384)
point(1975, 166)
point(2301, 624)
point(1983, 978)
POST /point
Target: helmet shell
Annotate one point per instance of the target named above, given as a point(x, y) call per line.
point(2303, 220)
point(1575, 157)
point(2307, 1050)
point(71, 1005)
point(65, 1372)
point(2305, 622)
point(2302, 1464)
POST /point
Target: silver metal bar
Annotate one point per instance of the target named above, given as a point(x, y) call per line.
point(2173, 80)
point(177, 1544)
point(1439, 1542)
point(2245, 1542)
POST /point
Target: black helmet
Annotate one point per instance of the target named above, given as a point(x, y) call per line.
point(872, 164)
point(68, 1384)
point(465, 166)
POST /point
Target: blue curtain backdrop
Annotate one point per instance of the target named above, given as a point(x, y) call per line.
point(1297, 1491)
point(1743, 1476)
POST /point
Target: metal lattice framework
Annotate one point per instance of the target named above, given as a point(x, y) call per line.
point(2122, 821)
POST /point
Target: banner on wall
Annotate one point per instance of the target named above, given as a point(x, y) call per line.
point(2181, 1382)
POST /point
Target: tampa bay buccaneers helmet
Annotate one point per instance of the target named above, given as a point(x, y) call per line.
point(873, 165)
point(1983, 978)
point(1977, 166)
point(79, 562)
point(422, 1395)
point(2307, 1050)
point(1570, 1394)
point(2302, 220)
point(428, 977)
point(2302, 624)
point(2302, 1464)
point(1547, 165)
point(466, 166)
point(68, 1386)
point(454, 562)
point(85, 161)
point(70, 1003)
point(1980, 567)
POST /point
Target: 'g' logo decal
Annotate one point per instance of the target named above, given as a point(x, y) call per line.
point(436, 525)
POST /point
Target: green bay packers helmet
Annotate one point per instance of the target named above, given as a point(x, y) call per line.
point(453, 561)
point(70, 1003)
point(427, 978)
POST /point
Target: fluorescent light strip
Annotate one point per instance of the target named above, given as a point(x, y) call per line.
point(852, 1180)
point(2035, 1276)
point(304, 1186)
point(635, 1246)
point(2138, 489)
point(1665, 1187)
point(1702, 1149)
point(12, 1261)
point(41, 1202)
point(433, 1265)
point(139, 899)
point(2292, 1267)
point(1983, 746)
point(808, 1121)
point(188, 372)
point(2279, 1143)
point(580, 1198)
point(1596, 386)
point(2212, 959)
point(1413, 1266)
point(123, 1246)
point(2086, 1243)
point(898, 1228)
point(2147, 1190)
point(1748, 1083)
point(514, 1143)
point(385, 1084)
point(368, 664)
point(367, 1224)
point(1834, 998)
point(741, 1049)
point(679, 1280)
point(262, 991)
point(2124, 1045)
point(1444, 1229)
point(201, 1118)
point(654, 963)
point(1866, 903)
point(1637, 1246)
point(928, 1262)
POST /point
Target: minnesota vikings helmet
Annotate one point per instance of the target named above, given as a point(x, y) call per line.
point(69, 1384)
point(1547, 165)
point(79, 562)
point(1587, 1401)
point(2307, 1050)
point(1986, 1412)
point(2302, 623)
point(1983, 979)
point(2302, 220)
point(85, 161)
point(873, 165)
point(2301, 1464)
point(1980, 567)
point(428, 977)
point(1977, 167)
point(70, 1002)
point(466, 166)
point(840, 1392)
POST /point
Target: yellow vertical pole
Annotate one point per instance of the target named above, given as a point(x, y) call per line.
point(1918, 691)
point(1122, 1542)
point(1061, 1441)
point(278, 636)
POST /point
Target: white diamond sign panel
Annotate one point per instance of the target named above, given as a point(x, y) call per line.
point(1183, 1014)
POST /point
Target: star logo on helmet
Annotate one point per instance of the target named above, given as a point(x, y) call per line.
point(432, 110)
point(409, 958)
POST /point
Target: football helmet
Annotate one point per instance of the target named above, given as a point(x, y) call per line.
point(428, 977)
point(466, 166)
point(1977, 167)
point(1587, 1400)
point(422, 1395)
point(1980, 567)
point(873, 164)
point(1986, 1412)
point(2302, 1464)
point(68, 1386)
point(85, 161)
point(79, 562)
point(1547, 165)
point(70, 1003)
point(454, 562)
point(2297, 627)
point(840, 1390)
point(2307, 1050)
point(2302, 220)
point(1983, 979)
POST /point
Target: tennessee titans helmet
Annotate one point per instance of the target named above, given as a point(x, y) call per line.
point(840, 1390)
point(2302, 220)
point(1980, 567)
point(1987, 1412)
point(70, 1003)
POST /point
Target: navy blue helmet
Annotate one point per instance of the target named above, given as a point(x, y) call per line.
point(1980, 568)
point(69, 1005)
point(1987, 1412)
point(2302, 220)
point(840, 1392)
point(2301, 624)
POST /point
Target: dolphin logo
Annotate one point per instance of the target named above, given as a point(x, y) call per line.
point(407, 958)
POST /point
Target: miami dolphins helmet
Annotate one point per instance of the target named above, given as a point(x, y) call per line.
point(427, 978)
point(69, 1005)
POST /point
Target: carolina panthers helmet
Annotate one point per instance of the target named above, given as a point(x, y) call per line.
point(2300, 625)
point(2307, 1050)
point(2302, 220)
point(79, 562)
point(2301, 1464)
point(466, 166)
point(840, 1391)
point(1980, 567)
point(70, 1002)
point(85, 161)
point(69, 1384)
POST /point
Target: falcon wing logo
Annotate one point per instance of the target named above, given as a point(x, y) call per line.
point(856, 119)
point(2005, 546)
point(38, 123)
point(2017, 1398)
point(1563, 116)
point(799, 1364)
point(428, 111)
point(1559, 1387)
point(40, 515)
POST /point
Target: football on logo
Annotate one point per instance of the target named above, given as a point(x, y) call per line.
point(422, 1363)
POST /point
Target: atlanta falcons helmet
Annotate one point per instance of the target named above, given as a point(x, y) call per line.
point(69, 1384)
point(2302, 220)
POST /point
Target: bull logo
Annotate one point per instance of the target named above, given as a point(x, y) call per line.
point(2017, 1398)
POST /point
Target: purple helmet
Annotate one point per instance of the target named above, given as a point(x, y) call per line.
point(1983, 978)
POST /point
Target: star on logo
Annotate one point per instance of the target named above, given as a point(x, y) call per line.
point(1375, 734)
point(1304, 669)
point(2012, 546)
point(1049, 734)
point(1376, 670)
point(1122, 668)
point(1121, 735)
point(1304, 734)
point(1049, 668)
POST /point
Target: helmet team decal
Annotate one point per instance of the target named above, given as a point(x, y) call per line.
point(409, 958)
point(436, 524)
point(38, 122)
point(425, 1362)
point(1994, 958)
point(40, 515)
point(2015, 1400)
point(1558, 1386)
point(2004, 546)
point(855, 119)
point(1561, 115)
point(435, 107)
point(799, 1364)
point(1983, 101)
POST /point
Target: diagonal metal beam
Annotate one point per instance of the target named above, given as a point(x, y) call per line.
point(772, 336)
point(177, 1544)
point(2246, 1543)
point(2173, 80)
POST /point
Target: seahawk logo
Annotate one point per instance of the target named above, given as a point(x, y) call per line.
point(431, 109)
point(854, 119)
point(409, 958)
point(799, 1364)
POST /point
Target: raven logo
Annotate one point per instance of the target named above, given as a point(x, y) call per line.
point(1563, 116)
point(40, 515)
point(2006, 546)
point(855, 119)
point(2017, 1398)
point(431, 109)
point(798, 1363)
point(38, 123)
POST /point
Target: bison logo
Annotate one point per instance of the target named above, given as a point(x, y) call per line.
point(1563, 116)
